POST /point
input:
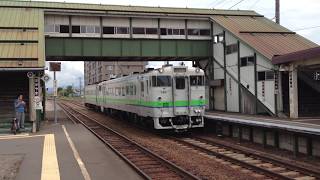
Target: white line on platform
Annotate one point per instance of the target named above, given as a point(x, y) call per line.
point(50, 166)
point(77, 156)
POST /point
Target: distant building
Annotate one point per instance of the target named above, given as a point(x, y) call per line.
point(98, 71)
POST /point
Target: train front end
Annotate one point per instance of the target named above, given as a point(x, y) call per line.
point(187, 100)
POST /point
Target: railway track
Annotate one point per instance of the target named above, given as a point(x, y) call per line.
point(260, 164)
point(257, 163)
point(146, 163)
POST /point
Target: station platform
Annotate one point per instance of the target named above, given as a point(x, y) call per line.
point(60, 151)
point(302, 125)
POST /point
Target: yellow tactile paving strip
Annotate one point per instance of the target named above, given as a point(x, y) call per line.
point(50, 166)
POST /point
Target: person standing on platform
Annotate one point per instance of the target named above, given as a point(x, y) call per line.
point(20, 107)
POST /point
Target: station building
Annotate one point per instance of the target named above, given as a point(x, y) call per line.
point(241, 51)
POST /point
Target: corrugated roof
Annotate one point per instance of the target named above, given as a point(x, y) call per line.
point(99, 7)
point(21, 37)
point(265, 36)
point(297, 56)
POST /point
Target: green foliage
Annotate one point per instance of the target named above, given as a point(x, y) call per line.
point(67, 92)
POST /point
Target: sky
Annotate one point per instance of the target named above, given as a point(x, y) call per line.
point(300, 16)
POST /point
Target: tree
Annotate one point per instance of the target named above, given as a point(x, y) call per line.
point(69, 91)
point(60, 89)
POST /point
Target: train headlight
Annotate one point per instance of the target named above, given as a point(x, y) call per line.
point(161, 70)
point(197, 70)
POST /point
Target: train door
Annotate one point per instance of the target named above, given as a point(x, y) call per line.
point(141, 96)
point(181, 95)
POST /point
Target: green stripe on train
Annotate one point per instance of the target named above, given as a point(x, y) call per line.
point(146, 103)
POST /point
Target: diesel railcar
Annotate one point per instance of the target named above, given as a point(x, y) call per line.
point(171, 97)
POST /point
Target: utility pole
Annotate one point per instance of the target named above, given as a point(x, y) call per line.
point(278, 11)
point(80, 85)
point(55, 66)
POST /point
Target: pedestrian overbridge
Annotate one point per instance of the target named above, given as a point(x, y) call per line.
point(98, 49)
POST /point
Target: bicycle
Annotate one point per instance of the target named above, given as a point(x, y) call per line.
point(14, 126)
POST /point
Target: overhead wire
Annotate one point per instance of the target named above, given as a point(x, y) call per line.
point(254, 4)
point(212, 4)
point(221, 2)
point(236, 4)
point(306, 28)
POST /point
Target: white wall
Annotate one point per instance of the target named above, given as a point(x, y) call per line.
point(174, 24)
point(87, 21)
point(116, 22)
point(247, 72)
point(232, 68)
point(198, 24)
point(232, 94)
point(145, 23)
point(56, 20)
point(264, 64)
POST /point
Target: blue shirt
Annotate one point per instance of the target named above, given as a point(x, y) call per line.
point(19, 106)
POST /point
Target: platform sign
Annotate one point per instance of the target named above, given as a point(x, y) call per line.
point(55, 66)
point(55, 88)
point(36, 86)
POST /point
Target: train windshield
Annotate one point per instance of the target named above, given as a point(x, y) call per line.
point(197, 80)
point(161, 81)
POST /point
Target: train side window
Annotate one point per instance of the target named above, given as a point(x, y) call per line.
point(180, 83)
point(142, 86)
point(147, 84)
point(123, 91)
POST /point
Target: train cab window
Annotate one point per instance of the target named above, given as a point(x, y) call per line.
point(180, 83)
point(161, 81)
point(197, 80)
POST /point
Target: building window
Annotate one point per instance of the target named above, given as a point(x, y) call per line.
point(122, 30)
point(49, 28)
point(193, 32)
point(169, 31)
point(163, 31)
point(265, 75)
point(64, 29)
point(204, 32)
point(83, 29)
point(151, 31)
point(108, 30)
point(138, 30)
point(75, 29)
point(110, 68)
point(90, 29)
point(97, 29)
point(247, 61)
point(219, 38)
point(199, 32)
point(232, 48)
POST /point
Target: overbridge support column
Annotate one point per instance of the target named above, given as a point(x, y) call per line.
point(293, 92)
point(32, 112)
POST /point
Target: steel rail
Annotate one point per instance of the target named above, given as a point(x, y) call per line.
point(169, 165)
